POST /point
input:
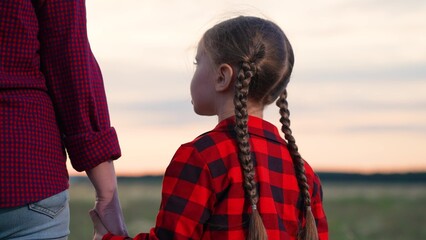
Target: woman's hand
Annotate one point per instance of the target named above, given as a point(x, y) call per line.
point(100, 229)
point(109, 212)
point(107, 205)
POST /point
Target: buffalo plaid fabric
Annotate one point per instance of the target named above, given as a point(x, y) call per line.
point(203, 195)
point(51, 98)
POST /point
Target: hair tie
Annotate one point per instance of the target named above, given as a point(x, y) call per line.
point(254, 207)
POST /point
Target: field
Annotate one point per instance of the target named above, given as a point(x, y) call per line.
point(355, 211)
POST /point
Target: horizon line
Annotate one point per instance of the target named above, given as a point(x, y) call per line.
point(157, 174)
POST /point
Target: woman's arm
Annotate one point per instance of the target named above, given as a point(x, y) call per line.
point(75, 84)
point(107, 204)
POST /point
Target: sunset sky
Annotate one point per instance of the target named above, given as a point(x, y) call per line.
point(357, 94)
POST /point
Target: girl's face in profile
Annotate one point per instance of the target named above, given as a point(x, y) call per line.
point(203, 92)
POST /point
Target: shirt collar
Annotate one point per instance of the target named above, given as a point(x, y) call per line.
point(256, 126)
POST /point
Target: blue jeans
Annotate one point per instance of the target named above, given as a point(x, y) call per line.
point(42, 220)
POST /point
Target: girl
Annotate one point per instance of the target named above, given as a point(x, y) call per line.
point(240, 180)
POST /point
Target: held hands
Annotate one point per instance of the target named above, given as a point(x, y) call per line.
point(109, 211)
point(100, 229)
point(106, 215)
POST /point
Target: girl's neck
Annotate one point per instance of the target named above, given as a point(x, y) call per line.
point(253, 110)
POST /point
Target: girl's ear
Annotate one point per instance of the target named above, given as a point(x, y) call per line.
point(224, 79)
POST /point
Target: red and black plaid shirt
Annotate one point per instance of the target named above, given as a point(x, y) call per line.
point(51, 96)
point(203, 195)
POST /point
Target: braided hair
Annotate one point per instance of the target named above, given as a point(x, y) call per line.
point(264, 59)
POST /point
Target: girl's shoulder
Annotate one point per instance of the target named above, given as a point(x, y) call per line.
point(210, 139)
point(207, 147)
point(308, 169)
point(313, 179)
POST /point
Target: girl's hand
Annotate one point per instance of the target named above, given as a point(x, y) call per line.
point(100, 229)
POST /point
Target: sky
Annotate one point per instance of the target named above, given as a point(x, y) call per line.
point(357, 93)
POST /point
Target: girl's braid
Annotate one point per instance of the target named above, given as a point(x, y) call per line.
point(309, 231)
point(256, 230)
point(292, 147)
point(241, 128)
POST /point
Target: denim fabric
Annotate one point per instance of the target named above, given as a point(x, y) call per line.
point(42, 220)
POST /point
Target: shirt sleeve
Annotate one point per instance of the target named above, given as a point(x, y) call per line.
point(187, 199)
point(75, 84)
point(318, 210)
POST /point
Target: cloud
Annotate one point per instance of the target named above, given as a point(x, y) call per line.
point(380, 106)
point(408, 72)
point(163, 113)
point(397, 6)
point(397, 128)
